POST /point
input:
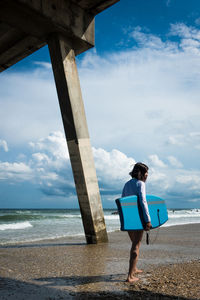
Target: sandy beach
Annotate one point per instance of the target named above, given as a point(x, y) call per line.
point(71, 269)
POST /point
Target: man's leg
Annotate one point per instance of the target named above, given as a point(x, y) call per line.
point(136, 238)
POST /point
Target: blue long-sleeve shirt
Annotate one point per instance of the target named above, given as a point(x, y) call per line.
point(137, 187)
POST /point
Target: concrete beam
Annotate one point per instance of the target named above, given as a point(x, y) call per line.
point(19, 50)
point(95, 6)
point(75, 125)
point(39, 18)
point(25, 25)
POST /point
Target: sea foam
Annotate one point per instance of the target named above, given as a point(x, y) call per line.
point(14, 226)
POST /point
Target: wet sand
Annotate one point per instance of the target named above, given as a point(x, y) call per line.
point(71, 269)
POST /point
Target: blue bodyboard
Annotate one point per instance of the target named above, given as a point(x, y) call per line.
point(130, 214)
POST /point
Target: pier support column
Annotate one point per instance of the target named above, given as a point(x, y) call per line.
point(76, 131)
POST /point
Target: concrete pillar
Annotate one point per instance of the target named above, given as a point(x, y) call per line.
point(76, 131)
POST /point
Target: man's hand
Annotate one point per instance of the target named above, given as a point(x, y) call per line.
point(148, 226)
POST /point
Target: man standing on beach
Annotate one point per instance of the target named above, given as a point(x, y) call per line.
point(136, 186)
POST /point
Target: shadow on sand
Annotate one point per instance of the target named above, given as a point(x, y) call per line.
point(42, 245)
point(49, 289)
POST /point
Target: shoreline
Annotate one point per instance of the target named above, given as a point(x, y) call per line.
point(68, 268)
point(81, 237)
point(36, 225)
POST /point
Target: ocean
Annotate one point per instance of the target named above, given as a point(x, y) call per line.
point(28, 225)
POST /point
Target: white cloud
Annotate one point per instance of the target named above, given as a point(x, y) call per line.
point(178, 140)
point(112, 168)
point(175, 185)
point(149, 93)
point(156, 162)
point(188, 179)
point(195, 135)
point(184, 31)
point(40, 157)
point(4, 145)
point(190, 37)
point(157, 182)
point(190, 139)
point(51, 169)
point(16, 171)
point(51, 172)
point(43, 64)
point(49, 166)
point(139, 101)
point(146, 39)
point(55, 143)
point(174, 162)
point(139, 93)
point(35, 109)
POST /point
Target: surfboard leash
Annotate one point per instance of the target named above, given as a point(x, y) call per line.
point(148, 237)
point(148, 232)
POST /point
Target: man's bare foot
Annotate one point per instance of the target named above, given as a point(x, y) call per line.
point(132, 279)
point(137, 271)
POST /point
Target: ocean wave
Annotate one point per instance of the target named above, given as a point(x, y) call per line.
point(14, 226)
point(185, 214)
point(20, 217)
point(113, 217)
point(31, 217)
point(40, 239)
point(70, 216)
point(184, 211)
point(183, 222)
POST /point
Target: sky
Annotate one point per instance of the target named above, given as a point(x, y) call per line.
point(140, 86)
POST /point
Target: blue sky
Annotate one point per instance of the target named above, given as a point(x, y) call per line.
point(141, 90)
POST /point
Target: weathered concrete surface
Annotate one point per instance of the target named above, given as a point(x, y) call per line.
point(26, 24)
point(75, 125)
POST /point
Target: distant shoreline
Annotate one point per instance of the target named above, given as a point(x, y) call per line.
point(22, 226)
point(162, 231)
point(114, 208)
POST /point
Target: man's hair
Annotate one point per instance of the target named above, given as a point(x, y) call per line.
point(139, 168)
